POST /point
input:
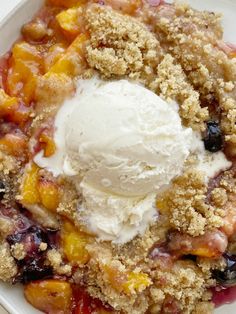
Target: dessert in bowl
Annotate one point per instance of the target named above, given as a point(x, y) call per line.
point(118, 159)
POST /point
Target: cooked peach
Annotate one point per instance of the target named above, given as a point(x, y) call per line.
point(48, 144)
point(7, 103)
point(74, 244)
point(125, 281)
point(12, 110)
point(69, 22)
point(53, 55)
point(71, 63)
point(136, 282)
point(14, 144)
point(26, 52)
point(26, 64)
point(50, 296)
point(35, 31)
point(29, 189)
point(48, 193)
point(21, 81)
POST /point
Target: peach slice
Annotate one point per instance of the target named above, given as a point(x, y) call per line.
point(74, 244)
point(50, 296)
point(69, 22)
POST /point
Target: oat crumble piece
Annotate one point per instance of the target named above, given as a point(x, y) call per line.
point(120, 45)
point(184, 282)
point(186, 205)
point(55, 260)
point(43, 246)
point(69, 200)
point(8, 268)
point(193, 38)
point(18, 251)
point(219, 197)
point(204, 307)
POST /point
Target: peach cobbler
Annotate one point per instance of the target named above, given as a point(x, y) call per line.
point(117, 148)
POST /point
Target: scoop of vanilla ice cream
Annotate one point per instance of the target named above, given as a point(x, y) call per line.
point(121, 138)
point(116, 218)
point(120, 143)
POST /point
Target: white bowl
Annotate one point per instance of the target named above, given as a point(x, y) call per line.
point(20, 12)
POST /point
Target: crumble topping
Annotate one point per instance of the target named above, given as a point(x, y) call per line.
point(171, 83)
point(192, 38)
point(55, 260)
point(18, 251)
point(43, 246)
point(186, 205)
point(69, 201)
point(219, 197)
point(8, 268)
point(120, 45)
point(52, 89)
point(184, 282)
point(7, 163)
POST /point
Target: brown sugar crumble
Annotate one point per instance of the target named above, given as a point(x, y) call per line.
point(55, 260)
point(130, 49)
point(193, 40)
point(186, 205)
point(8, 268)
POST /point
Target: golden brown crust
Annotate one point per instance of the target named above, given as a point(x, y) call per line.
point(171, 83)
point(193, 39)
point(8, 268)
point(18, 251)
point(55, 260)
point(119, 44)
point(187, 207)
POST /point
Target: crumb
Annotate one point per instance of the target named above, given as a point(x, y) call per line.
point(8, 163)
point(69, 200)
point(6, 226)
point(183, 282)
point(209, 264)
point(8, 268)
point(129, 47)
point(18, 251)
point(219, 197)
point(52, 89)
point(43, 246)
point(204, 307)
point(55, 260)
point(171, 83)
point(186, 205)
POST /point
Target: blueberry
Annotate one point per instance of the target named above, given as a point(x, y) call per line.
point(30, 238)
point(213, 140)
point(227, 277)
point(35, 270)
